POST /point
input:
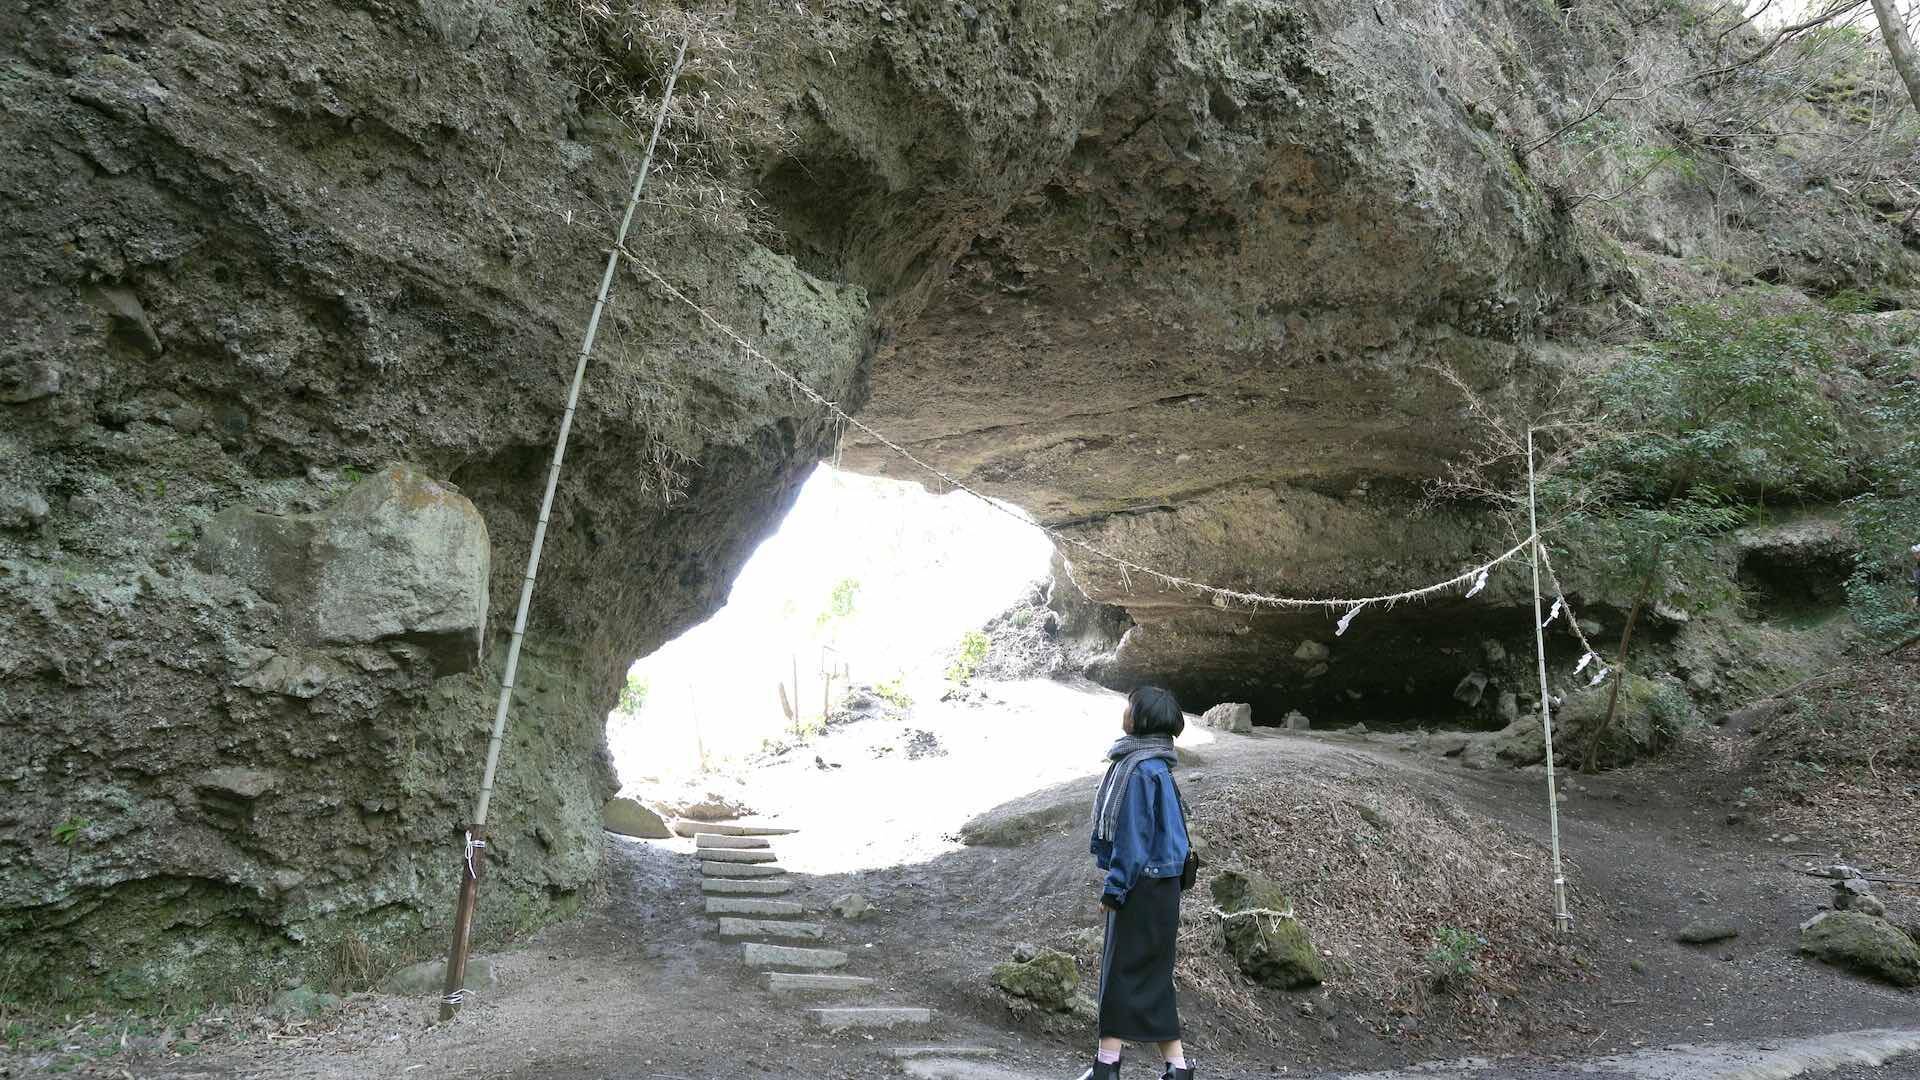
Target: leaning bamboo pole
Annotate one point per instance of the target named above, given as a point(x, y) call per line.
point(473, 858)
point(1562, 919)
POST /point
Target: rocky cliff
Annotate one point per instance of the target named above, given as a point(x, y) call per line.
point(294, 295)
point(258, 257)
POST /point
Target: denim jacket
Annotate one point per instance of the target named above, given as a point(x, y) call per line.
point(1151, 840)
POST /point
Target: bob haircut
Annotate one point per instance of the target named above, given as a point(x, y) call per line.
point(1155, 712)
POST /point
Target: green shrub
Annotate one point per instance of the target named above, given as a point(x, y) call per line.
point(894, 692)
point(973, 650)
point(1886, 518)
point(633, 696)
point(839, 603)
point(1450, 962)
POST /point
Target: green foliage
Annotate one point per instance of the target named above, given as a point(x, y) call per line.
point(1725, 411)
point(70, 830)
point(894, 692)
point(1855, 302)
point(839, 603)
point(1886, 517)
point(973, 650)
point(1670, 711)
point(633, 696)
point(1450, 961)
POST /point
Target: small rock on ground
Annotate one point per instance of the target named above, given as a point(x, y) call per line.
point(1706, 930)
point(852, 907)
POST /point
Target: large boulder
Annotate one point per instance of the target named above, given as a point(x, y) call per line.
point(1864, 944)
point(1651, 713)
point(402, 557)
point(1231, 717)
point(1258, 930)
point(630, 817)
point(1049, 980)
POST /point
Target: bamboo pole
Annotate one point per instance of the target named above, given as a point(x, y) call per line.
point(475, 847)
point(1562, 920)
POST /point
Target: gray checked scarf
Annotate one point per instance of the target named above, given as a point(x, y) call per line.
point(1126, 756)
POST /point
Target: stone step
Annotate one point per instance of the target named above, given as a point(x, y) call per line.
point(785, 982)
point(960, 1068)
point(730, 887)
point(789, 956)
point(725, 855)
point(872, 1017)
point(740, 870)
point(690, 829)
point(908, 1053)
point(743, 905)
point(714, 841)
point(799, 931)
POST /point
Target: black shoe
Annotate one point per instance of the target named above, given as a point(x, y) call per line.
point(1168, 1072)
point(1102, 1071)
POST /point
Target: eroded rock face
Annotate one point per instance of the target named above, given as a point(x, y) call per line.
point(255, 256)
point(1225, 245)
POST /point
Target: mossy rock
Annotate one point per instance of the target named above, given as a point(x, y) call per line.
point(1649, 714)
point(1864, 944)
point(1272, 950)
point(302, 1002)
point(1238, 890)
point(629, 818)
point(1050, 980)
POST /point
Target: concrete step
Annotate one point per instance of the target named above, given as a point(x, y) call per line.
point(683, 827)
point(713, 841)
point(725, 855)
point(789, 956)
point(730, 887)
point(784, 982)
point(798, 931)
point(881, 1017)
point(743, 905)
point(740, 870)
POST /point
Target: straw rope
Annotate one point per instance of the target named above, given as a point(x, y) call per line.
point(1127, 566)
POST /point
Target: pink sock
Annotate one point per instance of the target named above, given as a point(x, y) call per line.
point(1107, 1057)
point(1178, 1062)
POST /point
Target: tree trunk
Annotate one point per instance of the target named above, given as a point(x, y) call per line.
point(1620, 668)
point(1905, 61)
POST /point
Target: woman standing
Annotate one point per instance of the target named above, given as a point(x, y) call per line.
point(1140, 840)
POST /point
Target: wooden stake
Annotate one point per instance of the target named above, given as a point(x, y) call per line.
point(472, 857)
point(476, 864)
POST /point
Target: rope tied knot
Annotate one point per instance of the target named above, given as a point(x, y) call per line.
point(1269, 913)
point(471, 844)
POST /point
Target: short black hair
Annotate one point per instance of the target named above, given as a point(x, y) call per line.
point(1155, 712)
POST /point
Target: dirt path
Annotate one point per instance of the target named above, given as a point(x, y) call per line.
point(642, 988)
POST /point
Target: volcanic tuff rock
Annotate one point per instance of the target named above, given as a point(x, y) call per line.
point(256, 255)
point(1194, 316)
point(1166, 275)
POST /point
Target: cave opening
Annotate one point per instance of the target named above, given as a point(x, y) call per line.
point(871, 591)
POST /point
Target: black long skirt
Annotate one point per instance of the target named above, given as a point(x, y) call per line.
point(1136, 965)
